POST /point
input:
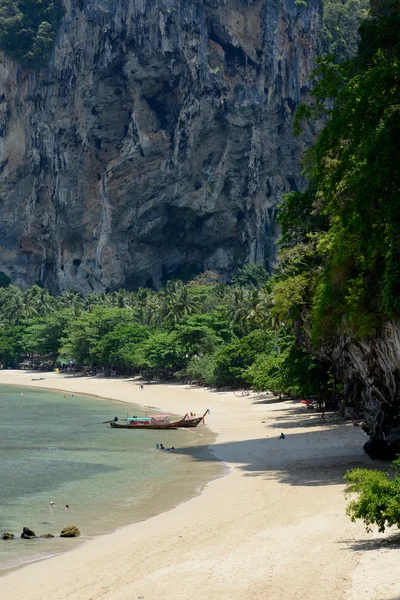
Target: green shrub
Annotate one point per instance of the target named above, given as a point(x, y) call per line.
point(378, 501)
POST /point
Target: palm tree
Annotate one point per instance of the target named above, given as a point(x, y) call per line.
point(239, 307)
point(177, 303)
point(141, 302)
point(68, 298)
point(44, 302)
point(20, 308)
point(153, 310)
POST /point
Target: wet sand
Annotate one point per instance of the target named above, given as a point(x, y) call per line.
point(274, 528)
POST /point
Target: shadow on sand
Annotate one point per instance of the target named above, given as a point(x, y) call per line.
point(390, 542)
point(332, 451)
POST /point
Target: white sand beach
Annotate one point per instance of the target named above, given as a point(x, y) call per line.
point(274, 528)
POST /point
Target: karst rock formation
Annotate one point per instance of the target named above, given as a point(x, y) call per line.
point(155, 144)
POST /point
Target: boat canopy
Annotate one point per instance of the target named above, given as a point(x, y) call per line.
point(160, 417)
point(149, 419)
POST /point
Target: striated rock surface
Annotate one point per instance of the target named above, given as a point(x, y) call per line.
point(156, 144)
point(370, 370)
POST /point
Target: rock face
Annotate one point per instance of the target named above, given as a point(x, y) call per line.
point(157, 143)
point(70, 531)
point(370, 370)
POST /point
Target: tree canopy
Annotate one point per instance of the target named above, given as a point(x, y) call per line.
point(221, 335)
point(340, 259)
point(340, 22)
point(28, 28)
point(377, 502)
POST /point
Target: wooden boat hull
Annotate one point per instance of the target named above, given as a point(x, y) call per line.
point(153, 424)
point(144, 426)
point(190, 422)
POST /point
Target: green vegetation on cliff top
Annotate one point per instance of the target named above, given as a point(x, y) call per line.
point(28, 29)
point(340, 258)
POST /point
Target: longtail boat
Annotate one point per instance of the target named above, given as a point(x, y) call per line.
point(157, 422)
point(189, 421)
point(151, 422)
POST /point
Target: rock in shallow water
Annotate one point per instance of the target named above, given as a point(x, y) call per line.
point(28, 534)
point(70, 531)
point(7, 536)
point(47, 535)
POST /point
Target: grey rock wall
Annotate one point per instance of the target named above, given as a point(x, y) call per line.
point(156, 144)
point(370, 371)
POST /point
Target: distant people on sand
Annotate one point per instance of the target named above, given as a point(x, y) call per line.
point(162, 447)
point(67, 507)
point(52, 505)
point(282, 436)
point(141, 386)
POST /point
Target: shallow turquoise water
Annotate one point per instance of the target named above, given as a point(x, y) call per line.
point(108, 477)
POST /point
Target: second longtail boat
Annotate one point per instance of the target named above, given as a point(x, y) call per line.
point(157, 422)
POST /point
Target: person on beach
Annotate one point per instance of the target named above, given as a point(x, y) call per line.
point(141, 386)
point(282, 436)
point(157, 446)
point(171, 449)
point(162, 447)
point(52, 504)
point(67, 507)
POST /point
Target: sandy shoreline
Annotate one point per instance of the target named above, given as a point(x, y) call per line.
point(274, 528)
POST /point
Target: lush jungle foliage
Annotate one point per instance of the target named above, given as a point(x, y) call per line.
point(340, 259)
point(341, 20)
point(378, 497)
point(206, 331)
point(28, 28)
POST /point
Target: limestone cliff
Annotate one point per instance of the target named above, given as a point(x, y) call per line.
point(156, 144)
point(370, 371)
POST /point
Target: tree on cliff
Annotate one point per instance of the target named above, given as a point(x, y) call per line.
point(341, 238)
point(28, 28)
point(341, 20)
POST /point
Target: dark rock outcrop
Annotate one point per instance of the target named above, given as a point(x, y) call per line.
point(370, 370)
point(7, 536)
point(157, 143)
point(28, 534)
point(70, 531)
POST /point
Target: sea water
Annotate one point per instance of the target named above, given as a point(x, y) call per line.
point(53, 450)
